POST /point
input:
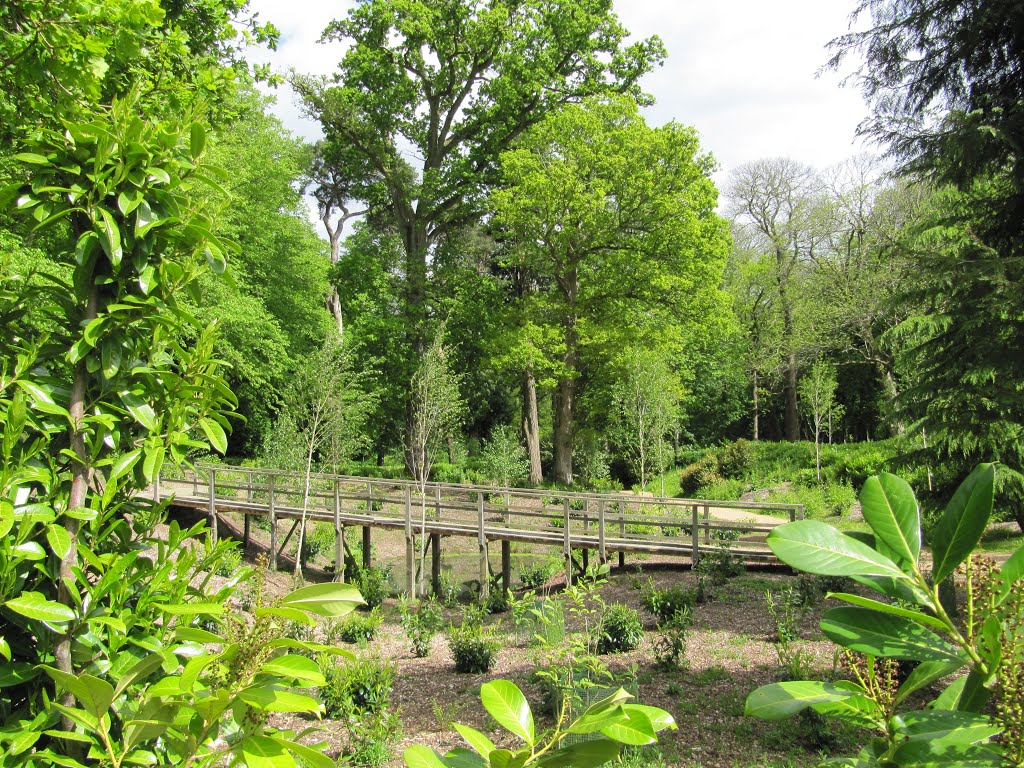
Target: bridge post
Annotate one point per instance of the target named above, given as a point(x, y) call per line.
point(273, 523)
point(585, 554)
point(410, 547)
point(213, 504)
point(248, 486)
point(435, 563)
point(695, 553)
point(602, 553)
point(367, 547)
point(707, 523)
point(245, 533)
point(566, 543)
point(339, 536)
point(437, 501)
point(485, 571)
point(622, 532)
point(506, 565)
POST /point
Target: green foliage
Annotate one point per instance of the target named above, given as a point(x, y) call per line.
point(609, 723)
point(717, 566)
point(735, 459)
point(670, 647)
point(355, 628)
point(472, 646)
point(230, 562)
point(703, 472)
point(420, 625)
point(667, 603)
point(620, 630)
point(503, 457)
point(357, 688)
point(537, 573)
point(374, 584)
point(318, 541)
point(911, 624)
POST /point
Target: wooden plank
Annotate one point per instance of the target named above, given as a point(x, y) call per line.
point(213, 504)
point(566, 542)
point(485, 571)
point(272, 481)
point(622, 532)
point(602, 551)
point(695, 551)
point(506, 565)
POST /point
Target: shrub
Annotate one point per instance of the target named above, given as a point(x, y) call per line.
point(356, 689)
point(536, 574)
point(704, 471)
point(670, 648)
point(714, 568)
point(420, 625)
point(319, 539)
point(472, 646)
point(498, 600)
point(735, 460)
point(620, 630)
point(374, 584)
point(369, 740)
point(230, 561)
point(446, 473)
point(667, 603)
point(839, 498)
point(355, 628)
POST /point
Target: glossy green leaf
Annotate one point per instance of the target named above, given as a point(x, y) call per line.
point(191, 609)
point(33, 605)
point(197, 139)
point(31, 158)
point(780, 700)
point(890, 508)
point(963, 522)
point(265, 752)
point(586, 754)
point(507, 705)
point(418, 756)
point(16, 674)
point(460, 757)
point(659, 718)
point(878, 634)
point(480, 743)
point(816, 547)
point(294, 668)
point(330, 599)
point(110, 237)
point(926, 673)
point(635, 729)
point(289, 614)
point(139, 671)
point(312, 758)
point(59, 540)
point(1011, 571)
point(895, 610)
point(215, 434)
point(271, 698)
point(125, 464)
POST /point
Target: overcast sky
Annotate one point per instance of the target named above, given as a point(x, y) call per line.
point(743, 72)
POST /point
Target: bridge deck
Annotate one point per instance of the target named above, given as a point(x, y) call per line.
point(603, 523)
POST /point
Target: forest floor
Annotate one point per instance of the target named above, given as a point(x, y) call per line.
point(730, 651)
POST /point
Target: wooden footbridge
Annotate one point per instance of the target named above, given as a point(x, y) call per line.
point(573, 522)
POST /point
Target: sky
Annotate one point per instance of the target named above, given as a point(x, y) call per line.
point(744, 73)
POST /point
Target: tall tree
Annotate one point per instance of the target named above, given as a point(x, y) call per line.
point(459, 82)
point(620, 218)
point(775, 200)
point(944, 82)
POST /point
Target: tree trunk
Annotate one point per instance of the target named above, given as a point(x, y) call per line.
point(792, 415)
point(563, 403)
point(450, 440)
point(531, 425)
point(414, 241)
point(757, 411)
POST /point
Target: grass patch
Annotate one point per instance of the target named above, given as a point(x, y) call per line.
point(1004, 538)
point(715, 674)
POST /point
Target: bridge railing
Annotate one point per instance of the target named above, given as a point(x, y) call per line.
point(572, 520)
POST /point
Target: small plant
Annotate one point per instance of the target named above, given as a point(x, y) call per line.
point(318, 540)
point(354, 628)
point(230, 561)
point(670, 648)
point(668, 602)
point(620, 630)
point(718, 566)
point(605, 721)
point(357, 689)
point(444, 713)
point(420, 625)
point(498, 600)
point(374, 584)
point(536, 574)
point(369, 740)
point(473, 647)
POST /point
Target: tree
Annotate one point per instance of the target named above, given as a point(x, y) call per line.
point(503, 457)
point(645, 403)
point(460, 82)
point(776, 201)
point(324, 410)
point(943, 80)
point(818, 400)
point(619, 219)
point(437, 408)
